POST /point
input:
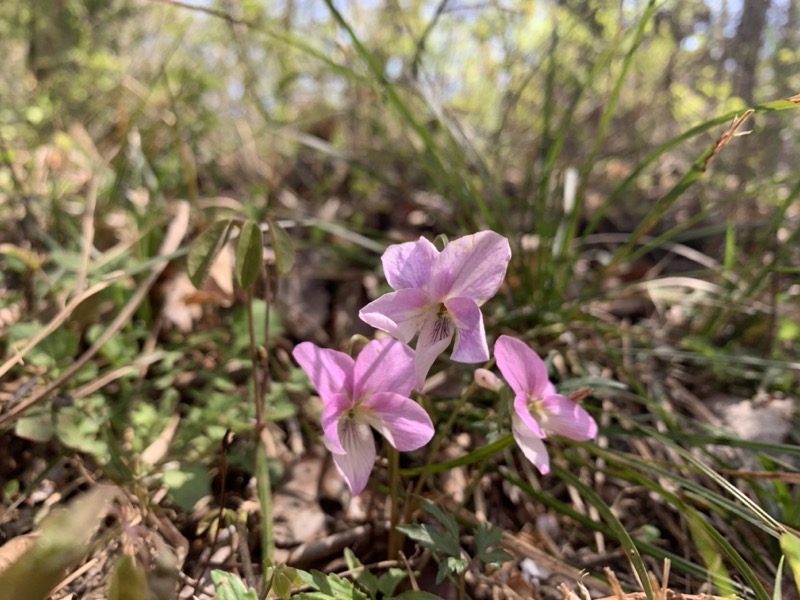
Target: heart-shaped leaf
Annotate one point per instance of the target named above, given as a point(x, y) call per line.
point(205, 249)
point(282, 246)
point(249, 254)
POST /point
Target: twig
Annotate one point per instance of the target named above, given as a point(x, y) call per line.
point(142, 361)
point(87, 227)
point(422, 41)
point(227, 440)
point(311, 552)
point(725, 138)
point(207, 10)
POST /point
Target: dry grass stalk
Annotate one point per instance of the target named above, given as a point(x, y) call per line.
point(661, 591)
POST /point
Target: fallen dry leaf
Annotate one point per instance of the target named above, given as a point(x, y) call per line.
point(14, 548)
point(765, 421)
point(156, 451)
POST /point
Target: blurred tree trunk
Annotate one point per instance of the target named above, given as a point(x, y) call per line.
point(53, 32)
point(745, 46)
point(784, 66)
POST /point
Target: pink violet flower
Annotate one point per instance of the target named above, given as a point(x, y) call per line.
point(370, 391)
point(538, 407)
point(439, 295)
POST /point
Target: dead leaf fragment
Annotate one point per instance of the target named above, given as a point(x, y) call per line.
point(64, 539)
point(156, 451)
point(14, 548)
point(765, 421)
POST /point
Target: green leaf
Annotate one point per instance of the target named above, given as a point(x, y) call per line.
point(282, 246)
point(187, 484)
point(128, 581)
point(57, 348)
point(351, 559)
point(364, 578)
point(443, 572)
point(283, 578)
point(37, 426)
point(450, 565)
point(432, 538)
point(416, 595)
point(205, 249)
point(485, 537)
point(777, 592)
point(495, 557)
point(390, 580)
point(446, 519)
point(249, 254)
point(328, 587)
point(704, 540)
point(790, 546)
point(777, 105)
point(286, 578)
point(79, 426)
point(230, 587)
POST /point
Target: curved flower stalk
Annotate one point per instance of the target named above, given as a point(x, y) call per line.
point(370, 391)
point(439, 295)
point(538, 407)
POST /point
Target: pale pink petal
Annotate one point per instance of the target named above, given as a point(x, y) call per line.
point(384, 366)
point(331, 416)
point(330, 371)
point(521, 367)
point(403, 422)
point(470, 345)
point(434, 337)
point(531, 445)
point(409, 265)
point(521, 402)
point(565, 417)
point(400, 314)
point(473, 266)
point(356, 464)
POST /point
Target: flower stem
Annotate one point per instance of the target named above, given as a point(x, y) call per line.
point(437, 444)
point(260, 391)
point(394, 497)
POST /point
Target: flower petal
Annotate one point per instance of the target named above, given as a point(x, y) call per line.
point(384, 366)
point(565, 417)
point(331, 417)
point(400, 314)
point(403, 422)
point(409, 265)
point(523, 412)
point(521, 367)
point(434, 337)
point(330, 371)
point(470, 345)
point(531, 445)
point(470, 267)
point(356, 464)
